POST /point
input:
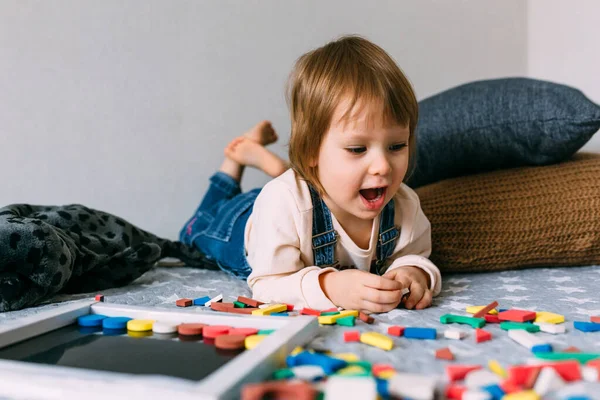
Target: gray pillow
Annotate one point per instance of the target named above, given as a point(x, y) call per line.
point(501, 123)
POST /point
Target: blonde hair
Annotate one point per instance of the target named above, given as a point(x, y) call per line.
point(350, 67)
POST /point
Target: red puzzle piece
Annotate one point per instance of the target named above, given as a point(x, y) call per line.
point(456, 372)
point(482, 336)
point(351, 336)
point(396, 330)
point(455, 392)
point(568, 370)
point(517, 315)
point(508, 386)
point(491, 319)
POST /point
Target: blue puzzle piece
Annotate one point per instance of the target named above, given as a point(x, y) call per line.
point(495, 391)
point(201, 301)
point(115, 323)
point(90, 320)
point(279, 314)
point(420, 333)
point(586, 326)
point(382, 388)
point(329, 364)
point(542, 348)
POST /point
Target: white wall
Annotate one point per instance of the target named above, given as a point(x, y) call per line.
point(125, 106)
point(563, 46)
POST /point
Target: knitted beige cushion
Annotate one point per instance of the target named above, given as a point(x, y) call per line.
point(523, 217)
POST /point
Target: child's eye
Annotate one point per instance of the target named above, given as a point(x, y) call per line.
point(356, 150)
point(397, 147)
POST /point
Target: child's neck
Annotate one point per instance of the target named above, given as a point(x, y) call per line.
point(358, 231)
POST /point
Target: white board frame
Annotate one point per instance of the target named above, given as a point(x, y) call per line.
point(38, 381)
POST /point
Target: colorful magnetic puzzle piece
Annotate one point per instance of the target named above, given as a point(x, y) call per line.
point(519, 325)
point(459, 319)
point(482, 335)
point(329, 364)
point(517, 315)
point(420, 333)
point(396, 330)
point(457, 372)
point(275, 308)
point(377, 339)
point(548, 317)
point(184, 302)
point(200, 301)
point(351, 336)
point(586, 326)
point(444, 354)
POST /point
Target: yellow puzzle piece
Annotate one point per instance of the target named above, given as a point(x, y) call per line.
point(475, 309)
point(275, 308)
point(496, 368)
point(330, 319)
point(548, 317)
point(377, 339)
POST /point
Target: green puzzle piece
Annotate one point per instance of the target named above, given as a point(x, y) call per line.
point(459, 319)
point(519, 325)
point(346, 321)
point(581, 357)
point(283, 373)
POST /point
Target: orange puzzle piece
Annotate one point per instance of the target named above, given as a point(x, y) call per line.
point(444, 354)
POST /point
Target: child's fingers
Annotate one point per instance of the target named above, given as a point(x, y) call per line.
point(416, 294)
point(381, 283)
point(425, 300)
point(381, 296)
point(371, 307)
point(405, 281)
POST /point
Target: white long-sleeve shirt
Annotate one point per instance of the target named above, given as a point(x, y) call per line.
point(278, 243)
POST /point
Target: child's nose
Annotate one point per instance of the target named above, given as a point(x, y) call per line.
point(380, 166)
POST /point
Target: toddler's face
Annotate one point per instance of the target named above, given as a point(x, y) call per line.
point(362, 162)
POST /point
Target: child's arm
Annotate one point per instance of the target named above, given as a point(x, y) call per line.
point(411, 265)
point(279, 272)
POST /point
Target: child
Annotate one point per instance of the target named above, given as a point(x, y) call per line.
point(339, 228)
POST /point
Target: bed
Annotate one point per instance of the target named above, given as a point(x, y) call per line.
point(571, 292)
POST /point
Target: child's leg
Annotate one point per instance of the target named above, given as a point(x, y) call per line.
point(247, 152)
point(262, 133)
point(225, 184)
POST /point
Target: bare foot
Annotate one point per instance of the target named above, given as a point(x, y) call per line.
point(245, 151)
point(262, 133)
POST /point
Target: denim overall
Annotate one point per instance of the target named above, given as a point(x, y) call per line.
point(325, 237)
point(218, 226)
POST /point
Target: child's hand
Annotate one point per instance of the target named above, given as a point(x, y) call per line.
point(359, 290)
point(415, 279)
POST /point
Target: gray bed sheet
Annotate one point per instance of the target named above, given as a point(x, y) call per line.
point(572, 292)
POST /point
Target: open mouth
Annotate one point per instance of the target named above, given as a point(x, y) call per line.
point(372, 194)
point(373, 197)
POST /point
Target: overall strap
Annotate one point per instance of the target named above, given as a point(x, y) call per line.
point(324, 237)
point(388, 234)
